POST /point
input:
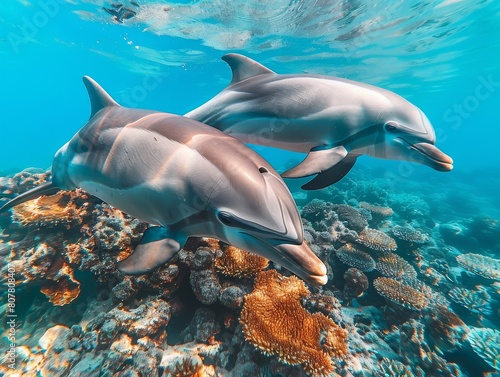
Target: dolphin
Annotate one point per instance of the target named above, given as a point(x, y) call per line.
point(185, 178)
point(332, 119)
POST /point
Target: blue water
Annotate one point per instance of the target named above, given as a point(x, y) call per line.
point(442, 55)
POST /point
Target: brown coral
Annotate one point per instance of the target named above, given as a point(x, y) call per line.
point(481, 265)
point(400, 294)
point(239, 263)
point(393, 266)
point(274, 321)
point(377, 211)
point(356, 283)
point(353, 257)
point(376, 240)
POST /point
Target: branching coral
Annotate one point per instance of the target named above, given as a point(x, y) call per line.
point(274, 321)
point(408, 234)
point(353, 257)
point(480, 265)
point(393, 266)
point(476, 301)
point(376, 240)
point(486, 343)
point(239, 263)
point(400, 294)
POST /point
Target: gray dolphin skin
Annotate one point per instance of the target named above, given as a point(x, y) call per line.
point(187, 179)
point(332, 119)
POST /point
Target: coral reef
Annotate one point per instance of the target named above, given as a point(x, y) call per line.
point(410, 339)
point(476, 301)
point(408, 234)
point(64, 208)
point(393, 266)
point(393, 368)
point(215, 310)
point(401, 294)
point(446, 328)
point(351, 216)
point(377, 213)
point(486, 343)
point(353, 257)
point(480, 265)
point(204, 280)
point(376, 240)
point(356, 283)
point(274, 321)
point(239, 263)
point(409, 206)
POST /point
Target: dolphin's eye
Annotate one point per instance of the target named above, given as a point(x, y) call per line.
point(263, 170)
point(83, 148)
point(391, 126)
point(226, 218)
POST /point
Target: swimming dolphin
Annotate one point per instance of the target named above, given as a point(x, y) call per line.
point(334, 120)
point(185, 177)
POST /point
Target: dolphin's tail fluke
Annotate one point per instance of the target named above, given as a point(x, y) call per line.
point(48, 188)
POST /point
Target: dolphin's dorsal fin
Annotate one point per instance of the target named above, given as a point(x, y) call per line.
point(99, 99)
point(243, 67)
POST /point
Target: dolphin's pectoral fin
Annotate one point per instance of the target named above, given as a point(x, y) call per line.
point(243, 67)
point(331, 175)
point(317, 161)
point(155, 249)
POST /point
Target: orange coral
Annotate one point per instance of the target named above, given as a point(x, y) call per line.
point(274, 321)
point(58, 209)
point(376, 240)
point(239, 263)
point(401, 294)
point(61, 287)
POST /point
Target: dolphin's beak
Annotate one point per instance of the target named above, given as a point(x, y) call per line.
point(297, 258)
point(302, 261)
point(435, 158)
point(428, 154)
